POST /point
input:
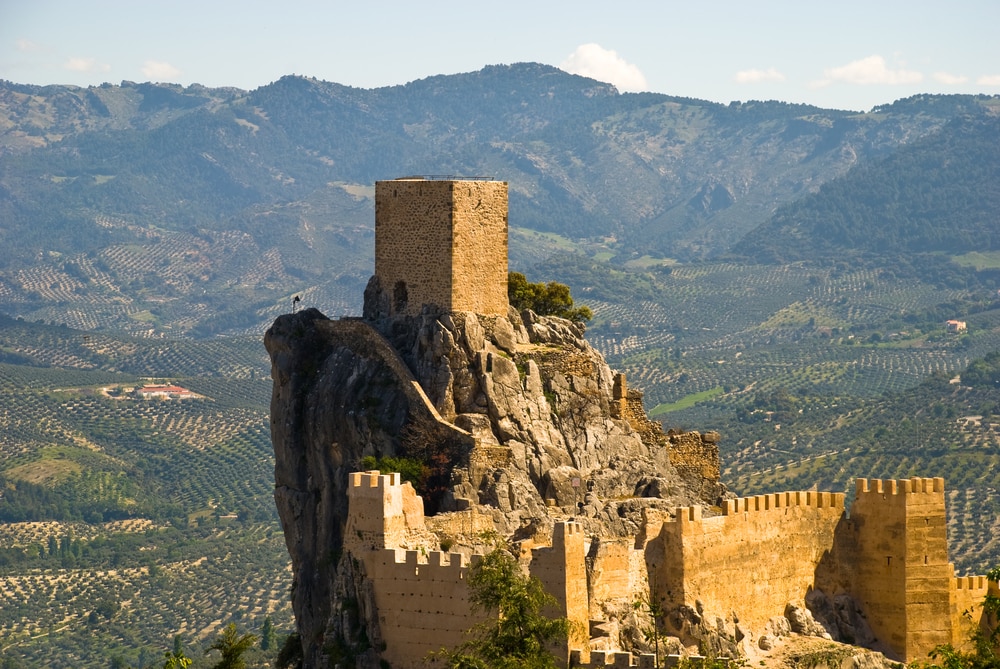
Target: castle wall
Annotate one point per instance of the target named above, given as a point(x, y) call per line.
point(755, 558)
point(422, 602)
point(617, 572)
point(377, 517)
point(442, 243)
point(900, 570)
point(760, 554)
point(967, 593)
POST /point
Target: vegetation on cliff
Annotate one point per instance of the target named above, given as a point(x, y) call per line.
point(545, 299)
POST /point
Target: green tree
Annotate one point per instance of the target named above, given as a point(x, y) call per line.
point(232, 645)
point(176, 659)
point(517, 635)
point(267, 640)
point(545, 299)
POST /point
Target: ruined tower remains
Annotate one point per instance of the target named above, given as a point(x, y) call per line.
point(440, 244)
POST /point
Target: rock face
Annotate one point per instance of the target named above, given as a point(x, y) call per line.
point(517, 416)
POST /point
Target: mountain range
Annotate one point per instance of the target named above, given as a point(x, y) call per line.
point(156, 208)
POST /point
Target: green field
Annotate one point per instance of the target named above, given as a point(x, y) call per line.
point(685, 402)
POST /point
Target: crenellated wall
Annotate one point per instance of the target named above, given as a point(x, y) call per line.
point(763, 549)
point(762, 552)
point(968, 593)
point(423, 602)
point(562, 570)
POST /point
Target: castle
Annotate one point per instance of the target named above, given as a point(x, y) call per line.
point(888, 556)
point(548, 445)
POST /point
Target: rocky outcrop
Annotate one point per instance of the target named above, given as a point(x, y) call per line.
point(514, 417)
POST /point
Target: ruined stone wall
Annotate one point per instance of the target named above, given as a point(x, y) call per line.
point(755, 558)
point(695, 454)
point(442, 243)
point(900, 571)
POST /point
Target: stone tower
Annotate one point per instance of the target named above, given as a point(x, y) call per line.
point(440, 244)
point(901, 568)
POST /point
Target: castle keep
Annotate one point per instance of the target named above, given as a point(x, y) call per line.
point(441, 242)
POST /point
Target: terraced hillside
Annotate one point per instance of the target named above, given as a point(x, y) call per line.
point(128, 520)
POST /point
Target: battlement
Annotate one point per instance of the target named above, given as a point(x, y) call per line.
point(784, 500)
point(372, 483)
point(612, 658)
point(744, 507)
point(911, 486)
point(454, 564)
point(568, 529)
point(975, 583)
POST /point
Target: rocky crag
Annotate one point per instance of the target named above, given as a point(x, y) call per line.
point(523, 423)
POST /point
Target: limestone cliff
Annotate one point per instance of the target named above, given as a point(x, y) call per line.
point(522, 423)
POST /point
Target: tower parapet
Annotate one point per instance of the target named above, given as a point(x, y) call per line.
point(382, 510)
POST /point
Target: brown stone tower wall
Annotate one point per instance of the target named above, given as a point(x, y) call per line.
point(901, 570)
point(442, 243)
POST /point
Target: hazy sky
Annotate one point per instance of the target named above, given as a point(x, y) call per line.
point(844, 54)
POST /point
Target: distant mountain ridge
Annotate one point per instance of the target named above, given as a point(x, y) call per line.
point(186, 201)
point(939, 194)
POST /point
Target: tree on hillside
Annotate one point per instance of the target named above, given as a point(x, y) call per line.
point(231, 646)
point(545, 299)
point(267, 638)
point(517, 635)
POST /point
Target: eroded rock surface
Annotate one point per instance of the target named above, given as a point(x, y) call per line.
point(518, 416)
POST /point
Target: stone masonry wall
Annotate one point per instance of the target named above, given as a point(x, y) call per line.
point(694, 455)
point(755, 558)
point(423, 602)
point(563, 572)
point(442, 243)
point(760, 554)
point(968, 593)
point(901, 575)
point(479, 263)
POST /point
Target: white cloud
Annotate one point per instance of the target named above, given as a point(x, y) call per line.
point(596, 62)
point(757, 76)
point(949, 79)
point(85, 65)
point(158, 70)
point(989, 80)
point(27, 45)
point(870, 70)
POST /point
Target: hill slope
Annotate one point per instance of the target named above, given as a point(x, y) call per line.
point(938, 194)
